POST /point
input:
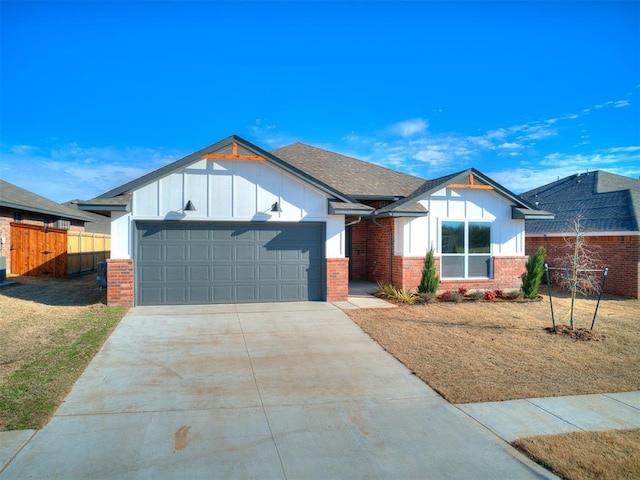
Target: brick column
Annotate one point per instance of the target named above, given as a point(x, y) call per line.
point(337, 279)
point(120, 282)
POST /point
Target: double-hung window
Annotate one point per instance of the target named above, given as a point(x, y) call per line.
point(466, 249)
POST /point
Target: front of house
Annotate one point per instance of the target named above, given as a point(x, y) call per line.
point(233, 223)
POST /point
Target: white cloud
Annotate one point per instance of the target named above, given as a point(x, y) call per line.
point(621, 160)
point(409, 128)
point(621, 103)
point(509, 145)
point(70, 171)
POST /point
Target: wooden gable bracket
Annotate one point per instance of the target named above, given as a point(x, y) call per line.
point(234, 155)
point(471, 184)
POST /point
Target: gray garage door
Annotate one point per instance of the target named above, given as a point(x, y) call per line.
point(195, 263)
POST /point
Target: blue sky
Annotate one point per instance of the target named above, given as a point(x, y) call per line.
point(94, 94)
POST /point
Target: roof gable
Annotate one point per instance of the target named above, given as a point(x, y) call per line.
point(604, 201)
point(470, 178)
point(233, 147)
point(356, 178)
point(12, 196)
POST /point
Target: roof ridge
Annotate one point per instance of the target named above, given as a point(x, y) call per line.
point(365, 162)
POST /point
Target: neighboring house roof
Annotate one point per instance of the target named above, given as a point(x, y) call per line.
point(605, 202)
point(470, 178)
point(100, 224)
point(12, 196)
point(357, 178)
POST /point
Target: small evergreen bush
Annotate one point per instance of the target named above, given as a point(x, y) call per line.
point(533, 276)
point(429, 281)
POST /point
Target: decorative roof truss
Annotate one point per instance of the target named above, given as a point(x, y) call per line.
point(234, 155)
point(471, 184)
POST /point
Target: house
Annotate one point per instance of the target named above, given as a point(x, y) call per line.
point(33, 232)
point(609, 209)
point(100, 223)
point(235, 223)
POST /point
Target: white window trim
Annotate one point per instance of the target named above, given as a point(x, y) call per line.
point(466, 255)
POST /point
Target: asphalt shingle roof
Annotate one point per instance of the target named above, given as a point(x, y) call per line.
point(12, 196)
point(606, 202)
point(356, 178)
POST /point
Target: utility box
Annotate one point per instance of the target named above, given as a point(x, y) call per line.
point(102, 274)
point(3, 269)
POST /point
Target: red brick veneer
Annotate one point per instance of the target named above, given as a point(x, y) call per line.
point(120, 282)
point(620, 253)
point(337, 279)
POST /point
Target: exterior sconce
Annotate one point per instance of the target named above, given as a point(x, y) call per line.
point(189, 207)
point(275, 208)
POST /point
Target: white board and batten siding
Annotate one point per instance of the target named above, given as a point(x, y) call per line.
point(414, 236)
point(228, 191)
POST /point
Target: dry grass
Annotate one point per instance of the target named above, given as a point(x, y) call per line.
point(587, 455)
point(491, 351)
point(35, 308)
point(49, 331)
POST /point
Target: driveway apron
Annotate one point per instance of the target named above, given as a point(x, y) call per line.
point(265, 391)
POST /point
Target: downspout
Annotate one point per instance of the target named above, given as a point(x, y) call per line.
point(390, 230)
point(354, 222)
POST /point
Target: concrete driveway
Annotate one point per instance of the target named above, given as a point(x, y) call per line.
point(282, 391)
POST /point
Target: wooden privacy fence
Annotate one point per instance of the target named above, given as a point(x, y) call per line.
point(85, 250)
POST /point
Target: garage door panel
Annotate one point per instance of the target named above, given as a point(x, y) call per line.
point(150, 296)
point(175, 273)
point(199, 252)
point(175, 253)
point(223, 294)
point(151, 253)
point(223, 273)
point(246, 293)
point(223, 252)
point(176, 294)
point(267, 272)
point(150, 274)
point(199, 294)
point(199, 273)
point(246, 253)
point(200, 263)
point(245, 273)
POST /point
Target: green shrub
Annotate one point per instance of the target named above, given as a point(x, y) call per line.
point(429, 281)
point(533, 276)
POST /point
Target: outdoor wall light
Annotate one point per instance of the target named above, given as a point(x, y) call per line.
point(189, 207)
point(276, 207)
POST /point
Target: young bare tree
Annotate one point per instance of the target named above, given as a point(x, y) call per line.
point(580, 268)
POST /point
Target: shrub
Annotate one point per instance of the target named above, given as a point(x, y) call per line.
point(490, 295)
point(477, 295)
point(429, 281)
point(398, 294)
point(533, 276)
point(450, 296)
point(462, 291)
point(426, 297)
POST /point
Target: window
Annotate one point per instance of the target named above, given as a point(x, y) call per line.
point(17, 216)
point(466, 249)
point(63, 223)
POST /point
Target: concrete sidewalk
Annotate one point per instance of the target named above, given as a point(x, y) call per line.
point(515, 419)
point(281, 391)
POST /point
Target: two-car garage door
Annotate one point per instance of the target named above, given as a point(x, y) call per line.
point(199, 263)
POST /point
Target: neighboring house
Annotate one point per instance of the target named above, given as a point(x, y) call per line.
point(33, 230)
point(100, 223)
point(609, 209)
point(235, 223)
